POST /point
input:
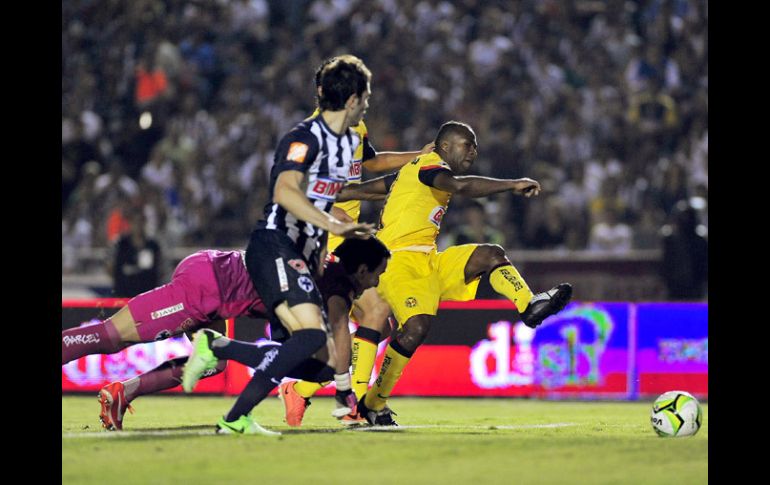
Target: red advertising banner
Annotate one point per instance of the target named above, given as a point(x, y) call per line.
point(588, 351)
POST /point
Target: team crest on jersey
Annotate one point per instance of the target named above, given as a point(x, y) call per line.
point(299, 266)
point(436, 215)
point(411, 302)
point(324, 189)
point(305, 283)
point(297, 152)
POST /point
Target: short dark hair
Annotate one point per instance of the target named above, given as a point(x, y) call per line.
point(320, 70)
point(341, 78)
point(355, 252)
point(451, 128)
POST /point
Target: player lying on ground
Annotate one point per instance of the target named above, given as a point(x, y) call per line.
point(418, 276)
point(357, 266)
point(370, 310)
point(206, 288)
point(209, 286)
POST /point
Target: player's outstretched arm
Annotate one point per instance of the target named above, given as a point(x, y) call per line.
point(290, 196)
point(375, 189)
point(386, 161)
point(476, 186)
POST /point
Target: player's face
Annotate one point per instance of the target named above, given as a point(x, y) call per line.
point(462, 152)
point(358, 110)
point(371, 279)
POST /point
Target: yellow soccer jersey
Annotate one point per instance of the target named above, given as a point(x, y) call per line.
point(412, 214)
point(352, 207)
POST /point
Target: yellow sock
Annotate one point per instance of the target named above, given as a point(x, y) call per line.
point(507, 281)
point(396, 358)
point(307, 389)
point(363, 355)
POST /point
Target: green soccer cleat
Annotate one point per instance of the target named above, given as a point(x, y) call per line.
point(243, 425)
point(201, 359)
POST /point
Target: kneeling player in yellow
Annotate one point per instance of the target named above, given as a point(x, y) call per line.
point(418, 277)
point(369, 311)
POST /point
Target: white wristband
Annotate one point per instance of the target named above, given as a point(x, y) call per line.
point(342, 381)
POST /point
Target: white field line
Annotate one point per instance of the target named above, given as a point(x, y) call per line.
point(210, 432)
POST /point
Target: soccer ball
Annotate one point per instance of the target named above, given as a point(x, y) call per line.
point(676, 413)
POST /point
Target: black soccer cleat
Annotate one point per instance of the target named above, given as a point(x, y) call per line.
point(545, 304)
point(384, 417)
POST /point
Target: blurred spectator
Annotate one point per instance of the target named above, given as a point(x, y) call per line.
point(551, 231)
point(545, 83)
point(609, 233)
point(136, 265)
point(474, 227)
point(685, 255)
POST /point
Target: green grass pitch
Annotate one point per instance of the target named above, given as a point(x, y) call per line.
point(170, 440)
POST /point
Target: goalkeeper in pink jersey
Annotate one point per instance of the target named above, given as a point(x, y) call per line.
point(206, 288)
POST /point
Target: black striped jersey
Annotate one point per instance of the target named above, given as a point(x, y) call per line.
point(326, 159)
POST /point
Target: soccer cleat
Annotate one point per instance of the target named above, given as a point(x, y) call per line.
point(545, 304)
point(353, 419)
point(112, 397)
point(294, 404)
point(383, 417)
point(201, 359)
point(243, 425)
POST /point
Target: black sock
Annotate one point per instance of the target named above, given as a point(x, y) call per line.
point(247, 354)
point(276, 363)
point(312, 370)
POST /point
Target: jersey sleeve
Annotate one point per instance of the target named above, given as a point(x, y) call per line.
point(428, 173)
point(296, 151)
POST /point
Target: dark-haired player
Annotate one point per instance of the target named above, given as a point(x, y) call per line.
point(370, 311)
point(312, 164)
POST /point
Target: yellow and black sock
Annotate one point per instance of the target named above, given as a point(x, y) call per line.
point(396, 358)
point(507, 281)
point(306, 389)
point(362, 358)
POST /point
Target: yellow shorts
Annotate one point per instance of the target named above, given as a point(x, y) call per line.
point(414, 283)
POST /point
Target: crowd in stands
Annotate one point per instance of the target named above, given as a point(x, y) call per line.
point(174, 107)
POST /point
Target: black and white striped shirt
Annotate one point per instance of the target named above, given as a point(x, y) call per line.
point(325, 157)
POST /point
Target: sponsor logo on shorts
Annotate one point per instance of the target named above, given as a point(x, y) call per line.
point(167, 311)
point(297, 152)
point(411, 302)
point(163, 335)
point(90, 338)
point(305, 283)
point(283, 280)
point(299, 266)
point(436, 215)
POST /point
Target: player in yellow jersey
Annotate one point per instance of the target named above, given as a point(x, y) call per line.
point(418, 276)
point(369, 311)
